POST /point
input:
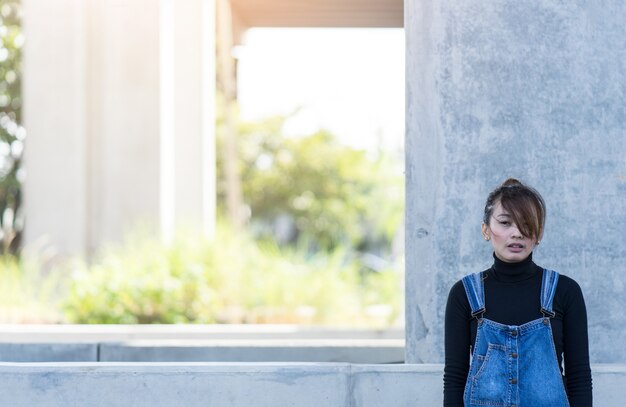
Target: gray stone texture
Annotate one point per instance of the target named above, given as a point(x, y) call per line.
point(348, 351)
point(48, 352)
point(533, 90)
point(222, 350)
point(78, 333)
point(244, 385)
point(140, 385)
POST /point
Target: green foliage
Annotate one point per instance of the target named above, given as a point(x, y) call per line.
point(11, 132)
point(28, 293)
point(230, 280)
point(329, 206)
point(312, 189)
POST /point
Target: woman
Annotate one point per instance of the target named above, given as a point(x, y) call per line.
point(525, 327)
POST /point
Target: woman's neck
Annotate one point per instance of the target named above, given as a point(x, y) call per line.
point(513, 272)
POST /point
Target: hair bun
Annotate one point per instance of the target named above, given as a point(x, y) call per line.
point(511, 182)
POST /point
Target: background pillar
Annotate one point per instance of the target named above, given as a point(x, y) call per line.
point(536, 91)
point(119, 110)
point(54, 97)
point(195, 115)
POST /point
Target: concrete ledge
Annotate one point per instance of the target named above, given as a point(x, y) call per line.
point(48, 352)
point(609, 382)
point(340, 351)
point(198, 343)
point(173, 385)
point(190, 385)
point(24, 333)
point(344, 351)
point(396, 385)
point(244, 384)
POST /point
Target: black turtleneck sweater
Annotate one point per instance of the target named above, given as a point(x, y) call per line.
point(512, 297)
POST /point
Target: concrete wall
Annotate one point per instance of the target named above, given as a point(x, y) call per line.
point(533, 90)
point(198, 343)
point(76, 333)
point(345, 351)
point(244, 384)
point(49, 352)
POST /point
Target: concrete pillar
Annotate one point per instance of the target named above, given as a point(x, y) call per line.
point(124, 126)
point(56, 189)
point(533, 90)
point(195, 115)
point(119, 113)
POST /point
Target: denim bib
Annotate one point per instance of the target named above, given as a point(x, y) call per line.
point(513, 365)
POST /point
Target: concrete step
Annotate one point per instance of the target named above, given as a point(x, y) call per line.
point(235, 350)
point(244, 384)
point(116, 333)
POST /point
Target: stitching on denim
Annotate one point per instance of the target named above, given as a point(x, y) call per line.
point(491, 347)
point(549, 282)
point(556, 363)
point(471, 286)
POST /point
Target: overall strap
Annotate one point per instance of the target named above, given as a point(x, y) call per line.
point(548, 288)
point(475, 292)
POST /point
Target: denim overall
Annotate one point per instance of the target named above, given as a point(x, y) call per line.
point(513, 365)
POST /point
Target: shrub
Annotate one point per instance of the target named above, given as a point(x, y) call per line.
point(232, 279)
point(28, 292)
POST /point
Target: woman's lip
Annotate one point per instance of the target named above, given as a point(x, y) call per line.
point(516, 248)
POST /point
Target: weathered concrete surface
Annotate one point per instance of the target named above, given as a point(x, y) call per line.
point(396, 385)
point(244, 385)
point(175, 385)
point(76, 333)
point(533, 90)
point(198, 343)
point(346, 351)
point(48, 352)
point(609, 382)
point(343, 351)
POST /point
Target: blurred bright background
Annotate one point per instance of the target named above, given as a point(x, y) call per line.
point(349, 81)
point(317, 234)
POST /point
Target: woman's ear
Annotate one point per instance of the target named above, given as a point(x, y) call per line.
point(486, 232)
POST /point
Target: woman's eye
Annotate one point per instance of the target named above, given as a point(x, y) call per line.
point(505, 222)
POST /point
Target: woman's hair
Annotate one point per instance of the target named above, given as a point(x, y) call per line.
point(523, 203)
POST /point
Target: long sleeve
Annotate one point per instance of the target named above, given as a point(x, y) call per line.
point(576, 346)
point(457, 346)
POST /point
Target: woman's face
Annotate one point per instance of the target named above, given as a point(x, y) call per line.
point(508, 243)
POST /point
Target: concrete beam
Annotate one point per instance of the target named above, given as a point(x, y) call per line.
point(320, 13)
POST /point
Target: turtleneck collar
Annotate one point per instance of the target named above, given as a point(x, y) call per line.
point(513, 272)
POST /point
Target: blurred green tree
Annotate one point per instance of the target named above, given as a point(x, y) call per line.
point(313, 190)
point(12, 133)
point(307, 190)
